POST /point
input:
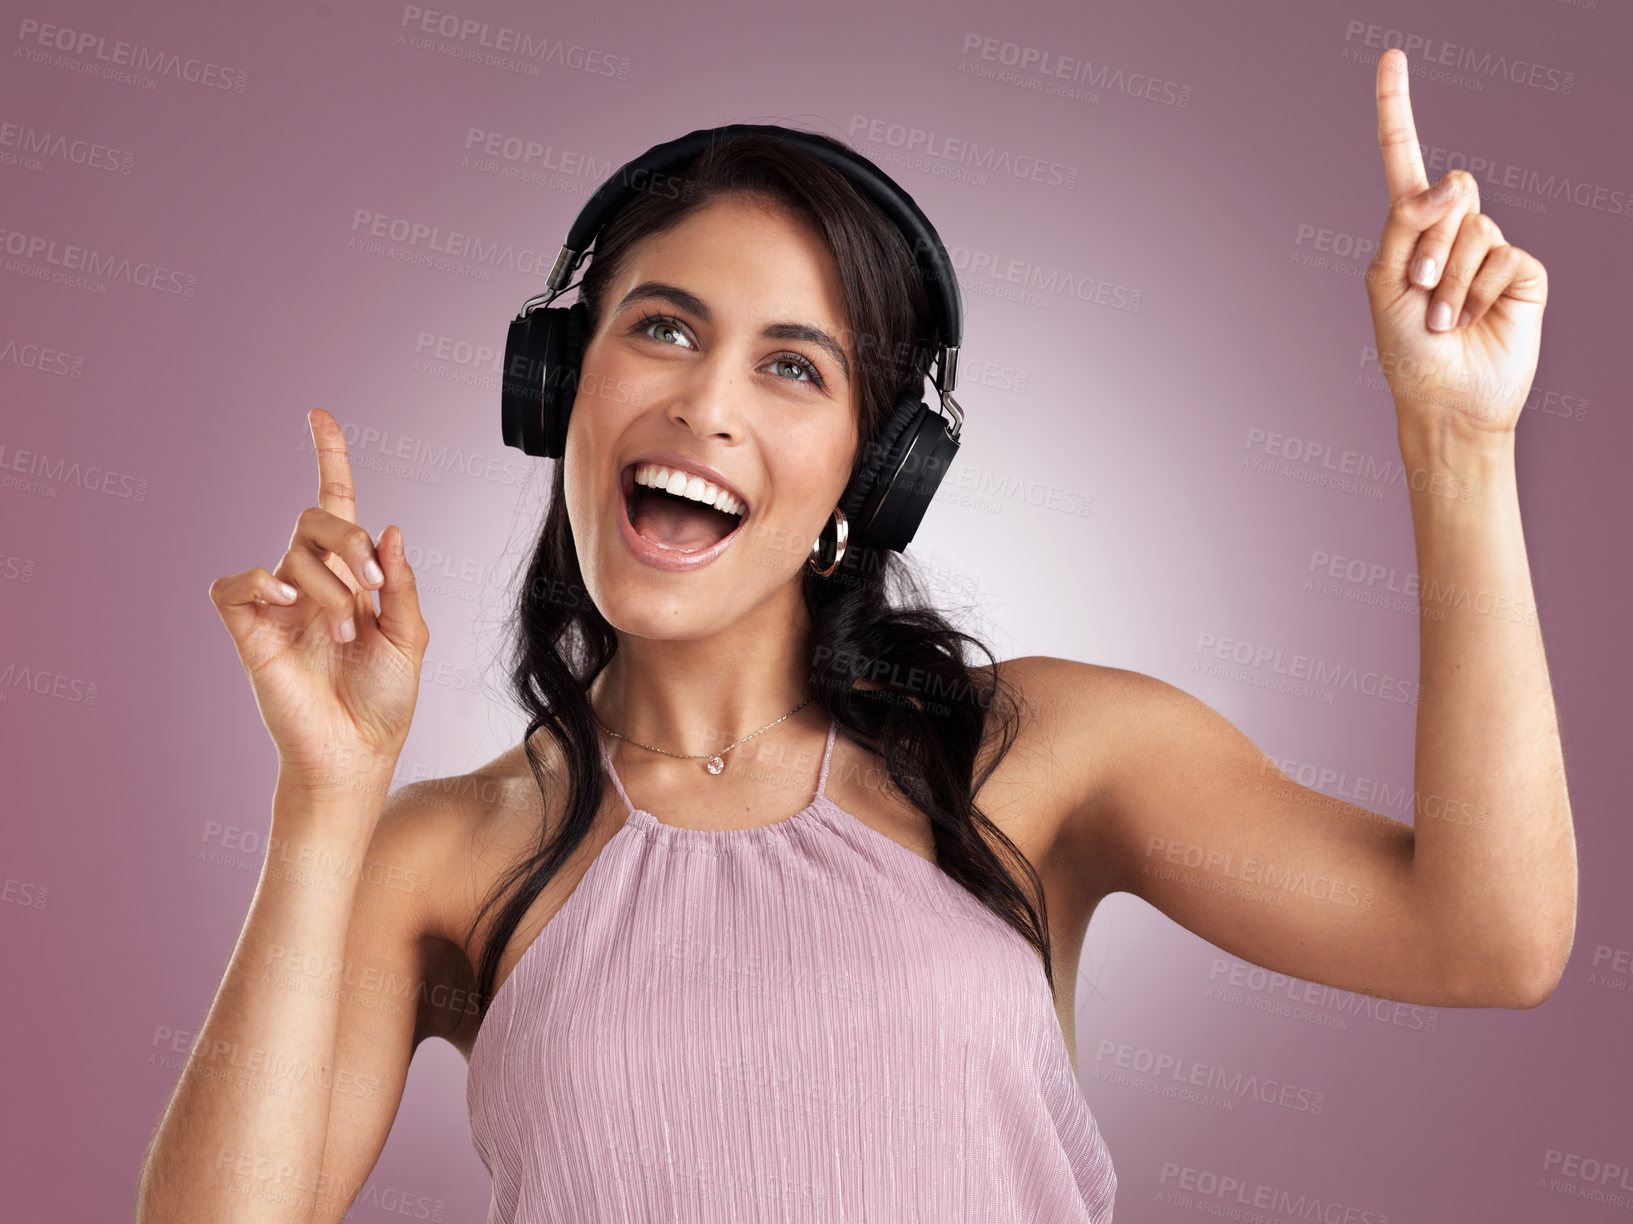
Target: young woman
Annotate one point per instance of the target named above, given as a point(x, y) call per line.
point(763, 917)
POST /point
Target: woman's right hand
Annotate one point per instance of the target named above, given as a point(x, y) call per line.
point(338, 709)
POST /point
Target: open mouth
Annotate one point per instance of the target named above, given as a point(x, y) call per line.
point(683, 521)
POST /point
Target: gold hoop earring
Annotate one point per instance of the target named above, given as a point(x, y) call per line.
point(841, 534)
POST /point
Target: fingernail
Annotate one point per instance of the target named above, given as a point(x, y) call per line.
point(1424, 274)
point(1440, 317)
point(1464, 319)
point(348, 631)
point(289, 591)
point(1441, 191)
point(371, 571)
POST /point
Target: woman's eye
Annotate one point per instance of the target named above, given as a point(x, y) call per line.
point(799, 364)
point(661, 322)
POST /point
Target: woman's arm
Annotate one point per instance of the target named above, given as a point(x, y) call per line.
point(243, 1109)
point(1457, 311)
point(329, 960)
point(1494, 858)
point(1472, 906)
point(244, 1135)
point(1475, 904)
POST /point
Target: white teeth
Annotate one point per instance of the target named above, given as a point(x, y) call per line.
point(683, 484)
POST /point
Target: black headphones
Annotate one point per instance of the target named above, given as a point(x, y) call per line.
point(892, 488)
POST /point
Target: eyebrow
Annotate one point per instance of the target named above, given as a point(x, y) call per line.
point(774, 331)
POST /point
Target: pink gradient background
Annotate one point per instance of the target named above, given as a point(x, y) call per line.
point(116, 930)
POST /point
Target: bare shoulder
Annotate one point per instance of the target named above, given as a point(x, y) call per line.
point(454, 826)
point(1070, 742)
point(1056, 700)
point(447, 840)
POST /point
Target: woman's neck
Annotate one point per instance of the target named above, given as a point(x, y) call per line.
point(696, 696)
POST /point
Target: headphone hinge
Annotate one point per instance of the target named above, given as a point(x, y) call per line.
point(538, 299)
point(946, 368)
point(957, 414)
point(562, 269)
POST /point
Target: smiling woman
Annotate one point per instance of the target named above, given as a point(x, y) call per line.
point(744, 344)
point(815, 977)
point(770, 248)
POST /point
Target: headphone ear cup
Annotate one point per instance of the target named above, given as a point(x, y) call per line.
point(564, 359)
point(880, 456)
point(540, 378)
point(521, 383)
point(886, 500)
point(930, 454)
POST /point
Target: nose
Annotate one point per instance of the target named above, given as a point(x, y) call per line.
point(710, 397)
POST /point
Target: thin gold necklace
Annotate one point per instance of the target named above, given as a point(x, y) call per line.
point(715, 761)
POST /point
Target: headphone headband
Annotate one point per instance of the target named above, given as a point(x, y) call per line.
point(647, 172)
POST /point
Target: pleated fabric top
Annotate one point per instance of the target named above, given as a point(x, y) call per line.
point(802, 1021)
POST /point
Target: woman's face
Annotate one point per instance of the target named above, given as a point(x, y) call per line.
point(748, 373)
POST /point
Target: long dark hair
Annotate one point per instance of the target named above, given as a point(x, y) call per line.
point(919, 705)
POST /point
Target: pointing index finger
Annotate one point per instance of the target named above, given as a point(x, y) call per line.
point(335, 491)
point(1397, 134)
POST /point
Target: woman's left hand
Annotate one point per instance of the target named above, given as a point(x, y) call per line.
point(1458, 340)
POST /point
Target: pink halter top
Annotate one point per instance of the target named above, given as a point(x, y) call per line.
point(799, 1021)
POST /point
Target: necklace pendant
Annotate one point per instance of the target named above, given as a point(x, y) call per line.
point(715, 765)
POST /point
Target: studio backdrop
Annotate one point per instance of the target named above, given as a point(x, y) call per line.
point(1179, 457)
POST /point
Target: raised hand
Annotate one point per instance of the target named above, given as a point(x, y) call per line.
point(1457, 311)
point(336, 682)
